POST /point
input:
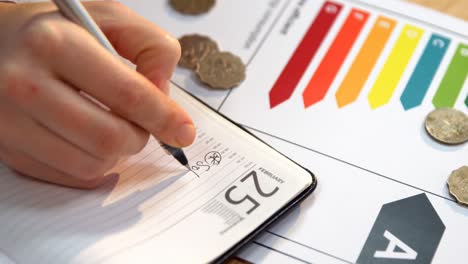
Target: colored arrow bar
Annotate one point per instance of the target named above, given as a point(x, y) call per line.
point(336, 54)
point(362, 66)
point(395, 66)
point(304, 53)
point(453, 80)
point(421, 79)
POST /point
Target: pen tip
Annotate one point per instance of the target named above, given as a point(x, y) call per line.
point(187, 166)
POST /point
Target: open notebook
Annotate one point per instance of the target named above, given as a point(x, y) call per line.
point(153, 210)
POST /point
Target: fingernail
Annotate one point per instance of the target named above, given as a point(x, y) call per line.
point(185, 134)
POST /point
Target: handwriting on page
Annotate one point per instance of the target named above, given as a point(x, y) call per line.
point(211, 159)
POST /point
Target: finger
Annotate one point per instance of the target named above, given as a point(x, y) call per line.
point(44, 146)
point(153, 50)
point(74, 118)
point(78, 58)
point(38, 170)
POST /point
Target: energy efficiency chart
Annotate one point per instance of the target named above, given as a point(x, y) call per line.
point(395, 65)
point(355, 81)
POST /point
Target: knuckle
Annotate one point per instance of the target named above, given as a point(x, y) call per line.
point(110, 141)
point(74, 119)
point(17, 86)
point(129, 96)
point(42, 36)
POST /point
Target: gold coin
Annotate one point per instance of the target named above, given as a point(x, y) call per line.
point(448, 126)
point(458, 184)
point(222, 70)
point(195, 48)
point(192, 7)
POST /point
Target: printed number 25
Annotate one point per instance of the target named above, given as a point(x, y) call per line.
point(247, 197)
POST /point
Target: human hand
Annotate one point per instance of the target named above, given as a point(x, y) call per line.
point(49, 130)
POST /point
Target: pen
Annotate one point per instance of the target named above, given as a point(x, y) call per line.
point(75, 11)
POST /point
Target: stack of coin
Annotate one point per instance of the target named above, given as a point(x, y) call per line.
point(447, 126)
point(194, 49)
point(192, 7)
point(219, 70)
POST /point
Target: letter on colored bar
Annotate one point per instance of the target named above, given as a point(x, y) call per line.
point(421, 79)
point(362, 66)
point(304, 53)
point(453, 80)
point(393, 69)
point(336, 54)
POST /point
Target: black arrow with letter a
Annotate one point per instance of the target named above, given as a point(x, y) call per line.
point(407, 231)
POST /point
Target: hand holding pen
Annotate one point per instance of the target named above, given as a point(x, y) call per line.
point(50, 131)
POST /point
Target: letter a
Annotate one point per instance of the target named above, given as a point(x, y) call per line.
point(405, 251)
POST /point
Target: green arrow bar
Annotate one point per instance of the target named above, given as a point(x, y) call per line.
point(453, 80)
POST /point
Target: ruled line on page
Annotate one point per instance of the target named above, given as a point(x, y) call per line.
point(49, 199)
point(150, 227)
point(83, 220)
point(97, 218)
point(36, 200)
point(186, 216)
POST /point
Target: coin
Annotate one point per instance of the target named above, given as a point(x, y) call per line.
point(192, 7)
point(195, 48)
point(448, 126)
point(222, 70)
point(458, 184)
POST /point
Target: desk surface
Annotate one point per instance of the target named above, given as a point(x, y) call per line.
point(455, 8)
point(452, 7)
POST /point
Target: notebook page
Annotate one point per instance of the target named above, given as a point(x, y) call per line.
point(152, 208)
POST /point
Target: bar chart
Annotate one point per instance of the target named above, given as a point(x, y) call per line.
point(355, 81)
point(384, 88)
